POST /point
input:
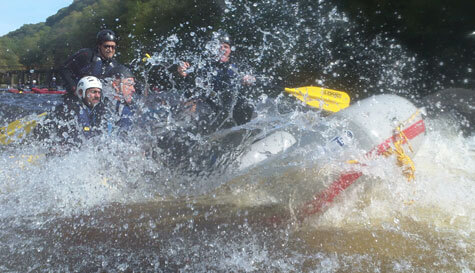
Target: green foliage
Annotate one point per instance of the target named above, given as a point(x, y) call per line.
point(432, 29)
point(7, 57)
point(47, 45)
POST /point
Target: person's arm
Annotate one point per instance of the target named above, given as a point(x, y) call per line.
point(68, 79)
point(70, 71)
point(177, 76)
point(52, 128)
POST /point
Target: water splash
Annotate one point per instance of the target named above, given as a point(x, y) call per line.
point(113, 207)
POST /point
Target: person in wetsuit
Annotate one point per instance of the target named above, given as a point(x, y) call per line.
point(95, 62)
point(219, 83)
point(78, 118)
point(229, 84)
point(119, 96)
point(200, 102)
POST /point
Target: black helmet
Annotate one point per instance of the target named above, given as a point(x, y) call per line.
point(222, 36)
point(119, 72)
point(105, 35)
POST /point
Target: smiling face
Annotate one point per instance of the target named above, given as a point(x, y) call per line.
point(225, 51)
point(107, 50)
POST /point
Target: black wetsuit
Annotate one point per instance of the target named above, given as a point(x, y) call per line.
point(218, 85)
point(85, 62)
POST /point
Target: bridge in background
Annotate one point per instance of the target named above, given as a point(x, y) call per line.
point(18, 76)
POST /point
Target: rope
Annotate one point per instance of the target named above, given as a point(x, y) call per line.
point(403, 160)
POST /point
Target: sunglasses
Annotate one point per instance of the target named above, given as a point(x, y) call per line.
point(109, 46)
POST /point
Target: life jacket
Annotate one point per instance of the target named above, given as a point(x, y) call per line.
point(89, 120)
point(98, 67)
point(125, 114)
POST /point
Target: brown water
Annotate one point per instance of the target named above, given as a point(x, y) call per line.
point(377, 225)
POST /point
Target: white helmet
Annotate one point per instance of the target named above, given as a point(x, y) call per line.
point(86, 83)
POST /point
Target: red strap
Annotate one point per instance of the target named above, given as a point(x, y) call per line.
point(322, 199)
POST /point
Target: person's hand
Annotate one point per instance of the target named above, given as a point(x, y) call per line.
point(190, 106)
point(248, 80)
point(182, 69)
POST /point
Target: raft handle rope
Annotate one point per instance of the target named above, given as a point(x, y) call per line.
point(402, 158)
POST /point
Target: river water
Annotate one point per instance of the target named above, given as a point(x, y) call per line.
point(108, 207)
point(111, 210)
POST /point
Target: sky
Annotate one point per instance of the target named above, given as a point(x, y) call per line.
point(16, 13)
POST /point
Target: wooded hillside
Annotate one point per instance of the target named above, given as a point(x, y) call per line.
point(46, 45)
point(436, 31)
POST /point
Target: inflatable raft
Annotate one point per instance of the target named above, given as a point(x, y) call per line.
point(383, 125)
point(379, 125)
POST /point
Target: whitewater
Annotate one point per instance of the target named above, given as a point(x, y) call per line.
point(111, 207)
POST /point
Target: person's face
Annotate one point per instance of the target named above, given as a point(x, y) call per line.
point(225, 51)
point(125, 89)
point(93, 96)
point(107, 49)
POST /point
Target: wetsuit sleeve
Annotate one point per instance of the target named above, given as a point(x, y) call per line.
point(70, 72)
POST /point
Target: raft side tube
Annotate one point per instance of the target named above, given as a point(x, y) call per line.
point(266, 148)
point(375, 120)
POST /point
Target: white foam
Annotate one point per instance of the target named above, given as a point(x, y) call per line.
point(441, 194)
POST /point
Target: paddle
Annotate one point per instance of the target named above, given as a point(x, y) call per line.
point(18, 129)
point(319, 97)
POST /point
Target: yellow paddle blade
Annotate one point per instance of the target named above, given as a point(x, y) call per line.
point(25, 160)
point(319, 97)
point(147, 56)
point(18, 129)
